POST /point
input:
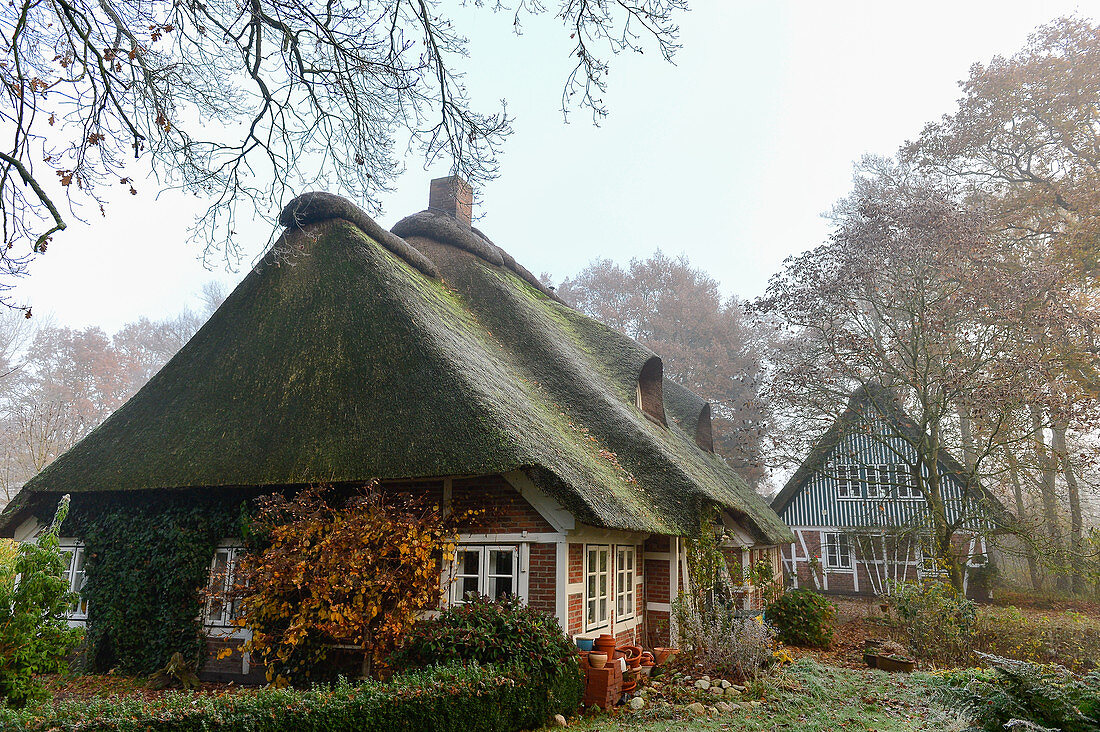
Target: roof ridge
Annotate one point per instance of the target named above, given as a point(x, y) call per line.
point(315, 206)
point(441, 227)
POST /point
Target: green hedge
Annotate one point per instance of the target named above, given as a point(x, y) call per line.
point(447, 699)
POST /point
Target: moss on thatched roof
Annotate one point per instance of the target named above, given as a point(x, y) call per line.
point(344, 357)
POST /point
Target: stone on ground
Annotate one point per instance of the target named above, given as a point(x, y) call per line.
point(636, 703)
point(559, 720)
point(703, 684)
point(696, 709)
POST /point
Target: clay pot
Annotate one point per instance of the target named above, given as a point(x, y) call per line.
point(661, 655)
point(605, 644)
point(597, 660)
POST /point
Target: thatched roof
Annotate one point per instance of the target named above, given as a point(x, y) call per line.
point(351, 353)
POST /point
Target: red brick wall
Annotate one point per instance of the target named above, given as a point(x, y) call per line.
point(657, 581)
point(576, 616)
point(230, 668)
point(576, 563)
point(844, 582)
point(507, 512)
point(541, 593)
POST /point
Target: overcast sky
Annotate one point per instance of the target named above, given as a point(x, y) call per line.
point(730, 156)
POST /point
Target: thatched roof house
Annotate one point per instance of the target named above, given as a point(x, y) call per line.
point(423, 354)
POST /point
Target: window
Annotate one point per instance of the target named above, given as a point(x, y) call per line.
point(221, 608)
point(838, 551)
point(904, 480)
point(624, 582)
point(485, 570)
point(74, 573)
point(878, 478)
point(929, 563)
point(597, 586)
point(847, 478)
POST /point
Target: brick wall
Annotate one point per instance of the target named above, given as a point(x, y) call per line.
point(576, 563)
point(230, 668)
point(576, 616)
point(657, 580)
point(541, 593)
point(507, 512)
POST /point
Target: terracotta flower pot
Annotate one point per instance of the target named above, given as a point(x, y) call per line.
point(597, 660)
point(661, 655)
point(605, 644)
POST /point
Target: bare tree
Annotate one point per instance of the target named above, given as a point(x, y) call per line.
point(913, 303)
point(244, 103)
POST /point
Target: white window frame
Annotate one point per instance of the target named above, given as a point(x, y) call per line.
point(875, 487)
point(836, 541)
point(484, 551)
point(226, 617)
point(593, 618)
point(626, 563)
point(905, 478)
point(78, 611)
point(848, 486)
point(928, 565)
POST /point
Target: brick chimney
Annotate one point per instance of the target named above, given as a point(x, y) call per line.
point(454, 197)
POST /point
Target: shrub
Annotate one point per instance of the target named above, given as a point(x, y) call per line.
point(937, 622)
point(1022, 695)
point(724, 644)
point(443, 699)
point(500, 632)
point(34, 597)
point(354, 573)
point(1069, 639)
point(803, 618)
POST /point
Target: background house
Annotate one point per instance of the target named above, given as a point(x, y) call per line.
point(428, 359)
point(859, 518)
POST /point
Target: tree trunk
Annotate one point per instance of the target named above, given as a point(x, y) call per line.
point(942, 531)
point(1022, 514)
point(966, 432)
point(1076, 525)
point(1047, 486)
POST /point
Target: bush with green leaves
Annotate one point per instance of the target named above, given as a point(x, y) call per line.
point(504, 631)
point(1018, 695)
point(802, 618)
point(938, 622)
point(473, 698)
point(34, 599)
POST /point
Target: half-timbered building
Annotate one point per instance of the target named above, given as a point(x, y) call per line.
point(859, 516)
point(426, 358)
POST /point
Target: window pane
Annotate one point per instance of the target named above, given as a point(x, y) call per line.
point(603, 559)
point(500, 562)
point(591, 611)
point(468, 585)
point(500, 586)
point(471, 562)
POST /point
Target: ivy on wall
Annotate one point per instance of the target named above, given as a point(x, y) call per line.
point(147, 563)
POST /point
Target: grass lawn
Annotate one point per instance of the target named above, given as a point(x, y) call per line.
point(806, 696)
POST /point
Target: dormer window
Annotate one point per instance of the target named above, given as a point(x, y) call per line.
point(650, 397)
point(704, 437)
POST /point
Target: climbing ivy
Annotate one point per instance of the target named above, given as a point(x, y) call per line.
point(147, 562)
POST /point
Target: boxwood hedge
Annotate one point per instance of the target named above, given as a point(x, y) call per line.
point(448, 699)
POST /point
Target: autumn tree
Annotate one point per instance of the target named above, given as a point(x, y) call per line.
point(706, 343)
point(246, 103)
point(912, 302)
point(1025, 143)
point(339, 570)
point(57, 384)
